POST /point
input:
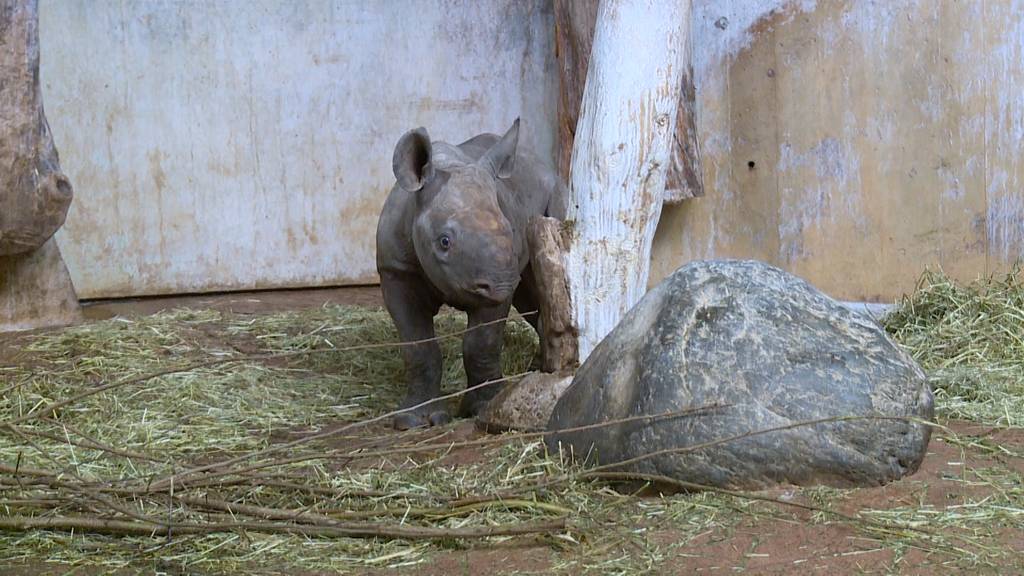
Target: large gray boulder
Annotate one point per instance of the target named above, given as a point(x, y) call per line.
point(773, 351)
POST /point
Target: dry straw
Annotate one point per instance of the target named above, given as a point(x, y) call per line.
point(223, 443)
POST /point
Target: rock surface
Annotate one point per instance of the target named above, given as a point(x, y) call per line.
point(36, 290)
point(773, 351)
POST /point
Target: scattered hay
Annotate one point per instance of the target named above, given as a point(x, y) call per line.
point(247, 404)
point(970, 339)
point(253, 383)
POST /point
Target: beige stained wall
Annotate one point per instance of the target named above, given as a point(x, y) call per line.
point(246, 143)
point(243, 144)
point(856, 143)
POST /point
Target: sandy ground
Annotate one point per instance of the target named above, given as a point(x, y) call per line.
point(783, 542)
point(262, 302)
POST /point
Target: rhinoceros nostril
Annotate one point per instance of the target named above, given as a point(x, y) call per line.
point(483, 288)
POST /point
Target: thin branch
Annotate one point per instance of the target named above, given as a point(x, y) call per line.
point(353, 453)
point(89, 443)
point(91, 524)
point(691, 486)
point(255, 511)
point(684, 450)
point(81, 488)
point(645, 419)
point(161, 484)
point(750, 434)
point(332, 517)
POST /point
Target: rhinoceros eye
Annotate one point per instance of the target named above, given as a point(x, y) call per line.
point(445, 242)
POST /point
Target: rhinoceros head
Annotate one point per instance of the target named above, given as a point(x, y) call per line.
point(465, 244)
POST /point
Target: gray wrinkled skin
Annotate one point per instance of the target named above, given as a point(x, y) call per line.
point(776, 351)
point(453, 231)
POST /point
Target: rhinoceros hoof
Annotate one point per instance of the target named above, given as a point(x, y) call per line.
point(421, 419)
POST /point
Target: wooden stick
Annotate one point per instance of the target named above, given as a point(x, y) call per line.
point(750, 434)
point(89, 443)
point(81, 488)
point(351, 455)
point(19, 523)
point(332, 517)
point(691, 486)
point(682, 450)
point(300, 516)
point(644, 419)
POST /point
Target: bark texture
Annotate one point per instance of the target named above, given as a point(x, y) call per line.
point(35, 289)
point(575, 22)
point(621, 155)
point(547, 259)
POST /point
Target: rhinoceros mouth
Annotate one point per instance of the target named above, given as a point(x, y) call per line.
point(490, 293)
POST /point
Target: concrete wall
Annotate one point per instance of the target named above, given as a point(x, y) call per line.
point(236, 144)
point(232, 144)
point(857, 142)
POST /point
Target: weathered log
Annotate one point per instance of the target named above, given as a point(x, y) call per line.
point(575, 21)
point(685, 176)
point(574, 37)
point(35, 288)
point(34, 194)
point(547, 252)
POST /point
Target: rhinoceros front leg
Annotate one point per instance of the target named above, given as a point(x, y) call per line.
point(481, 356)
point(413, 308)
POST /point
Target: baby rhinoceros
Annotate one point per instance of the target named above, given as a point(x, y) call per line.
point(453, 231)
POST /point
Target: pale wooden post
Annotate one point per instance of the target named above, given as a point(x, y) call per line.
point(575, 21)
point(621, 156)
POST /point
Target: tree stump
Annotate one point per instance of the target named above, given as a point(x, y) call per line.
point(35, 288)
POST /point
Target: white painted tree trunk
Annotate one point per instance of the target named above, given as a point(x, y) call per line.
point(621, 156)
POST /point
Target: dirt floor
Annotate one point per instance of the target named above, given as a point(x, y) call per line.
point(766, 538)
point(783, 540)
point(258, 302)
point(775, 540)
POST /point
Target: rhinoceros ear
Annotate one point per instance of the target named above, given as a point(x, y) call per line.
point(501, 158)
point(411, 162)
